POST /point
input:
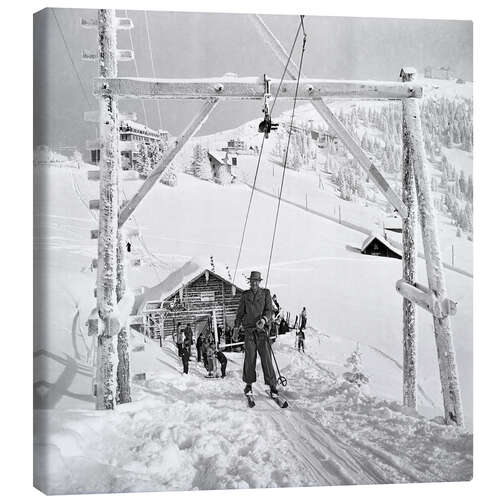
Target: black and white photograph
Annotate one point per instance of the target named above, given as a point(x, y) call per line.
point(253, 250)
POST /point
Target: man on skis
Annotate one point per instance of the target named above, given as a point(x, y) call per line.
point(255, 312)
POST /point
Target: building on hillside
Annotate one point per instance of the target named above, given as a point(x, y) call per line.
point(234, 146)
point(379, 246)
point(407, 73)
point(394, 224)
point(132, 135)
point(239, 147)
point(195, 298)
point(442, 73)
point(321, 137)
point(222, 165)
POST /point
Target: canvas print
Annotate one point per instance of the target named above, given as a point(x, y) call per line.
point(253, 251)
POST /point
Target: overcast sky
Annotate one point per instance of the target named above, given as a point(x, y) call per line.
point(197, 45)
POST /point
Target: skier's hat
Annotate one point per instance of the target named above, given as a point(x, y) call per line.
point(255, 275)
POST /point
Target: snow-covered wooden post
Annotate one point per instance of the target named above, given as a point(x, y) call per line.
point(108, 216)
point(409, 259)
point(123, 394)
point(453, 411)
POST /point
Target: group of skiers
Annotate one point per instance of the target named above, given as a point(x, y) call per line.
point(258, 315)
point(206, 350)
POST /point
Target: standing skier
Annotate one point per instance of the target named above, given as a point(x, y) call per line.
point(255, 312)
point(185, 348)
point(211, 358)
point(188, 336)
point(303, 319)
point(199, 343)
point(179, 338)
point(300, 337)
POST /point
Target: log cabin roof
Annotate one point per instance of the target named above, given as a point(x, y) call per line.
point(218, 156)
point(182, 277)
point(383, 241)
point(194, 277)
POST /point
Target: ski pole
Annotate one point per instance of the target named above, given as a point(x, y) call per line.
point(281, 379)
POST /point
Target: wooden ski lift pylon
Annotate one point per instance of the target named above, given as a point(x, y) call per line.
point(108, 88)
point(415, 181)
point(113, 363)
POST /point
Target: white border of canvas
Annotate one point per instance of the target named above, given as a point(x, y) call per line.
point(16, 240)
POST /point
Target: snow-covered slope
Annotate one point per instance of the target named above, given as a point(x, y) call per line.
point(189, 432)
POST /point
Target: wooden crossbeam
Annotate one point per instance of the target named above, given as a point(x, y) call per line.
point(170, 154)
point(422, 296)
point(335, 126)
point(252, 88)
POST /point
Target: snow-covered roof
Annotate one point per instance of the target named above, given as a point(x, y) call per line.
point(138, 126)
point(218, 155)
point(409, 70)
point(183, 276)
point(382, 240)
point(393, 223)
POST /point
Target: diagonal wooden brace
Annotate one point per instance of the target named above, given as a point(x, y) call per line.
point(170, 154)
point(335, 126)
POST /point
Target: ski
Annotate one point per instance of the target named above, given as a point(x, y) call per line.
point(250, 400)
point(279, 400)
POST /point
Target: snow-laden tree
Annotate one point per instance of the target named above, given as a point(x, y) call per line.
point(169, 177)
point(354, 375)
point(142, 160)
point(155, 153)
point(200, 164)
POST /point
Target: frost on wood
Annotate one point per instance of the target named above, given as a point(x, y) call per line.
point(409, 270)
point(442, 328)
point(123, 345)
point(123, 394)
point(108, 217)
point(106, 371)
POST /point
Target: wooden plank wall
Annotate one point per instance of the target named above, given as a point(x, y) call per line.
point(224, 303)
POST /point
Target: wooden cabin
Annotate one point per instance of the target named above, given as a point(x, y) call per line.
point(193, 301)
point(379, 246)
point(221, 165)
point(407, 73)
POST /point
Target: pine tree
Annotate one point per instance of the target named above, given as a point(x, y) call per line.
point(353, 363)
point(200, 165)
point(142, 161)
point(155, 153)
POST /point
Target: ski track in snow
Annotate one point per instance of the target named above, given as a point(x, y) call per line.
point(189, 432)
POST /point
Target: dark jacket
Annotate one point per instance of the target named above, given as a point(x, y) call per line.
point(253, 307)
point(188, 334)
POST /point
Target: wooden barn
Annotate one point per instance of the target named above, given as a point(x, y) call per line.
point(378, 245)
point(196, 299)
